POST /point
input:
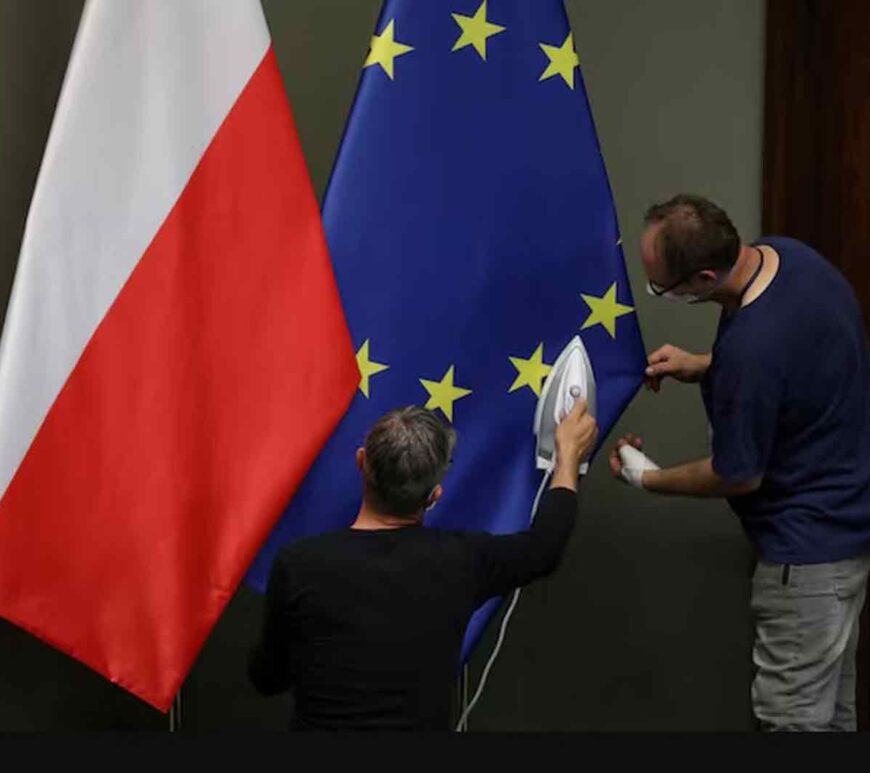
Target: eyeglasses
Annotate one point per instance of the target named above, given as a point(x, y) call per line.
point(658, 290)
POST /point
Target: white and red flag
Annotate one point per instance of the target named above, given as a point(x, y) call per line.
point(174, 353)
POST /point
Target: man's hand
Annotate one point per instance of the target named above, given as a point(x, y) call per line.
point(633, 476)
point(676, 363)
point(692, 479)
point(575, 439)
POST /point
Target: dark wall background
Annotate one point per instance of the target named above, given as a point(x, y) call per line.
point(645, 627)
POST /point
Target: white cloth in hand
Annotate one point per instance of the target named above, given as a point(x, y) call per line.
point(634, 464)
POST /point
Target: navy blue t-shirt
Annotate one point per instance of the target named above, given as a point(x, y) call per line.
point(788, 398)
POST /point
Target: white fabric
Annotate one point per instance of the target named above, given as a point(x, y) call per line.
point(634, 464)
point(147, 87)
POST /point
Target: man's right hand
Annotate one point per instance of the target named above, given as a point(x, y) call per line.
point(669, 361)
point(575, 439)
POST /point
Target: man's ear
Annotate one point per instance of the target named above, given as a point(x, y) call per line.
point(708, 276)
point(436, 494)
point(361, 459)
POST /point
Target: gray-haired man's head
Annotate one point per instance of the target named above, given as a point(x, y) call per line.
point(406, 454)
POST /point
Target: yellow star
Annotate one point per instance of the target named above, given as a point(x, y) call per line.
point(475, 30)
point(605, 310)
point(367, 367)
point(385, 49)
point(442, 394)
point(563, 60)
point(532, 371)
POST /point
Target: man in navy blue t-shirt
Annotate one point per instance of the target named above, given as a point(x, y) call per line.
point(787, 393)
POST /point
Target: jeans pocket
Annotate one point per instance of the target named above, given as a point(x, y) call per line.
point(814, 580)
point(849, 584)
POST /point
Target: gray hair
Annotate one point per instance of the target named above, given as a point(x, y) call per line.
point(408, 452)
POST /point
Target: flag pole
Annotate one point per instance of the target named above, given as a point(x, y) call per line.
point(175, 713)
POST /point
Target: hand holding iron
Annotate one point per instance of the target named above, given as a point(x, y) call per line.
point(575, 439)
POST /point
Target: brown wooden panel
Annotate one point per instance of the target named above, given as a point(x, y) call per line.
point(817, 156)
point(817, 131)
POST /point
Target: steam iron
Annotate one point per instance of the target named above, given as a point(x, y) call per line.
point(570, 378)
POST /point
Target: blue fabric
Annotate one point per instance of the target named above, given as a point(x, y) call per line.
point(468, 213)
point(788, 397)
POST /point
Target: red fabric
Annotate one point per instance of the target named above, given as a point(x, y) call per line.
point(191, 417)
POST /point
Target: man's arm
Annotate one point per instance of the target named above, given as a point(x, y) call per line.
point(696, 479)
point(672, 362)
point(269, 662)
point(506, 562)
point(747, 398)
point(511, 560)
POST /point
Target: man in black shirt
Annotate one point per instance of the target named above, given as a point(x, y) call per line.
point(366, 624)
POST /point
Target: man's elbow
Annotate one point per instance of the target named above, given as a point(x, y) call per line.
point(265, 680)
point(731, 485)
point(550, 558)
point(264, 686)
point(742, 488)
point(554, 564)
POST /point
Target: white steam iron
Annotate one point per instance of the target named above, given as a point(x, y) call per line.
point(570, 378)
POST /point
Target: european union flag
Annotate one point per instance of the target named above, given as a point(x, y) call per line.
point(473, 234)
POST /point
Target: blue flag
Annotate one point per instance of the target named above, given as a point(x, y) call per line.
point(473, 235)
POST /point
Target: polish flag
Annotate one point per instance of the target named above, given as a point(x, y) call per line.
point(175, 353)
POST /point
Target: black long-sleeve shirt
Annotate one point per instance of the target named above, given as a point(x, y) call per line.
point(367, 626)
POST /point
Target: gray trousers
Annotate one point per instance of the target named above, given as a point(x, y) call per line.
point(806, 636)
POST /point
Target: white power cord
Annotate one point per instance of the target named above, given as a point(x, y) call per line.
point(462, 725)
